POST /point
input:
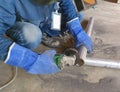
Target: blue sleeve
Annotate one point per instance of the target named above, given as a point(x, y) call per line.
point(7, 19)
point(68, 9)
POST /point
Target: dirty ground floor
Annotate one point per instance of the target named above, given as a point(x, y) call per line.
point(106, 32)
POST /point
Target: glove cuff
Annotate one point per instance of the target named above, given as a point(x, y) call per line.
point(9, 53)
point(20, 57)
point(74, 26)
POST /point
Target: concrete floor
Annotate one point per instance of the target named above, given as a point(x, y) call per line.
point(79, 79)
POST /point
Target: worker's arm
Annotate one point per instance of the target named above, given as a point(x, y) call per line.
point(16, 55)
point(7, 19)
point(13, 54)
point(69, 11)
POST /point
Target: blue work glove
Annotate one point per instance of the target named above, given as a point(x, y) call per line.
point(30, 61)
point(81, 38)
point(45, 64)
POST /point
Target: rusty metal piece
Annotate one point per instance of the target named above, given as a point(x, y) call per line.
point(71, 52)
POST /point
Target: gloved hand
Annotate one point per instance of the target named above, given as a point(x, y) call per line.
point(81, 38)
point(30, 61)
point(44, 64)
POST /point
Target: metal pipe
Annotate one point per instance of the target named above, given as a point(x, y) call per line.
point(102, 63)
point(83, 50)
point(94, 61)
